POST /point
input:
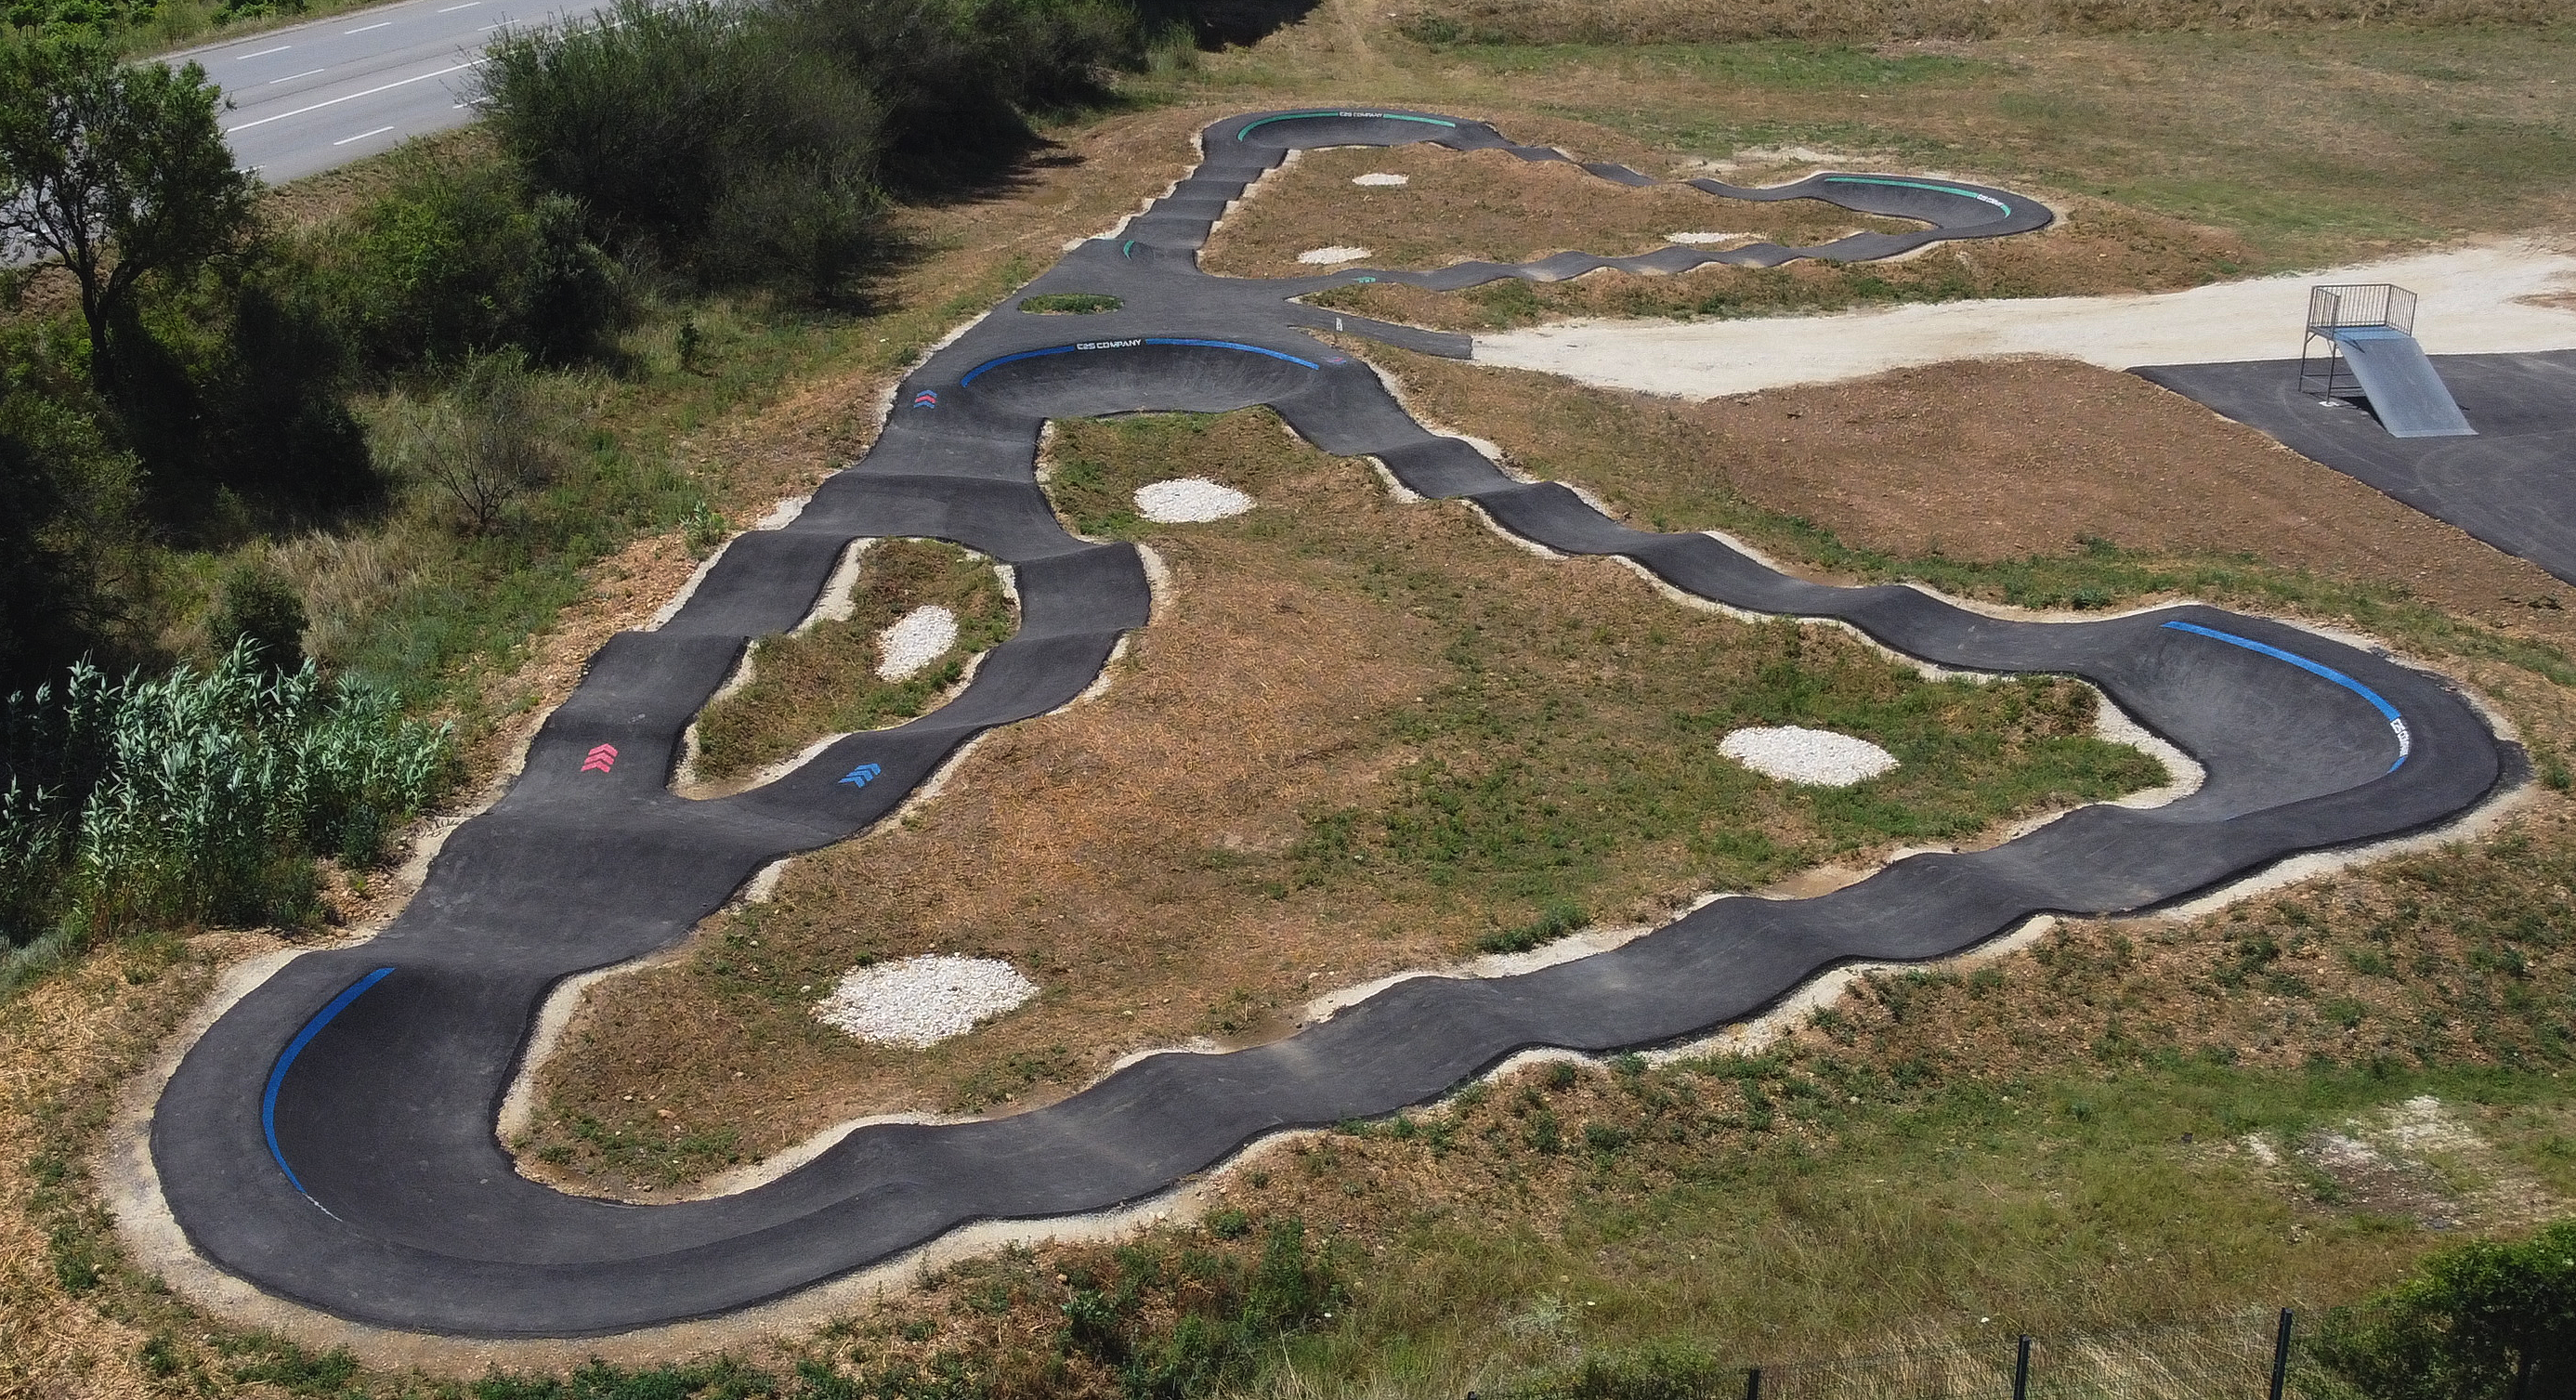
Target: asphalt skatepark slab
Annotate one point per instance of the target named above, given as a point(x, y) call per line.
point(2513, 485)
point(330, 1138)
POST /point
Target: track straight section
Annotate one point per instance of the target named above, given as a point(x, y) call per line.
point(331, 1137)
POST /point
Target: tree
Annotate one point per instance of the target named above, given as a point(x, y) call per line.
point(118, 170)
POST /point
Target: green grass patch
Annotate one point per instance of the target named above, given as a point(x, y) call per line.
point(824, 680)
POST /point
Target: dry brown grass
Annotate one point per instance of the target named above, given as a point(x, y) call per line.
point(1491, 205)
point(65, 1045)
point(2046, 1142)
point(1988, 461)
point(1231, 829)
point(1707, 21)
point(1488, 205)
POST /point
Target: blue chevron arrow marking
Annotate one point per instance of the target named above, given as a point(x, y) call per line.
point(862, 775)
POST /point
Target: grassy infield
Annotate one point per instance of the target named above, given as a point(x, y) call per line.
point(2017, 1211)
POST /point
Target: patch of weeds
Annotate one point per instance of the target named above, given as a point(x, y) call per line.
point(292, 1368)
point(2251, 954)
point(1510, 302)
point(1069, 304)
point(1015, 1074)
point(648, 1150)
point(1553, 923)
point(1176, 1322)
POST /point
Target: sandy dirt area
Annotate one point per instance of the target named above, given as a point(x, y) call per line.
point(2489, 298)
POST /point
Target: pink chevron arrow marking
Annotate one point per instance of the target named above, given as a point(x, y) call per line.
point(601, 759)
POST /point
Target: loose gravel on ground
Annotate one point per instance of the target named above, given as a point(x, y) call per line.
point(2490, 298)
point(1189, 500)
point(921, 1001)
point(918, 638)
point(1816, 757)
point(1704, 237)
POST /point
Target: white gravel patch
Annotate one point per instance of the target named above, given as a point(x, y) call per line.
point(1817, 757)
point(1338, 253)
point(1704, 237)
point(1381, 180)
point(2488, 298)
point(918, 638)
point(922, 1001)
point(1189, 500)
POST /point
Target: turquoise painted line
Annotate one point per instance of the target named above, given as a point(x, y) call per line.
point(2396, 721)
point(1387, 116)
point(1127, 249)
point(1917, 185)
point(295, 1047)
point(999, 361)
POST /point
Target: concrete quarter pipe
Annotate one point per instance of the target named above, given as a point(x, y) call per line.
point(330, 1138)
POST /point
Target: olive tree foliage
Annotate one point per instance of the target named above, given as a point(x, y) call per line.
point(119, 170)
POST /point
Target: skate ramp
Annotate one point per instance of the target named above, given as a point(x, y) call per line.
point(2405, 392)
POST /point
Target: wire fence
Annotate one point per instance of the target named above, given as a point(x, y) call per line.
point(2250, 1356)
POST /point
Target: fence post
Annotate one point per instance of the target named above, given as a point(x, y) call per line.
point(2021, 1369)
point(2281, 1355)
point(1752, 1383)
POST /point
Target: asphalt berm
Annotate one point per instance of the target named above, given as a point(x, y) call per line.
point(330, 1138)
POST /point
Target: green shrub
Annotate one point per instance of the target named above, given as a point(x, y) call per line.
point(261, 609)
point(746, 144)
point(66, 502)
point(498, 433)
point(198, 796)
point(2483, 1319)
point(674, 125)
point(458, 259)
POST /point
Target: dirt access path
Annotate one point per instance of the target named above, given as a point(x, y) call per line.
point(2487, 298)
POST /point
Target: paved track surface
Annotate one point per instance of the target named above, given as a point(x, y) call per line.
point(331, 1137)
point(319, 95)
point(2513, 485)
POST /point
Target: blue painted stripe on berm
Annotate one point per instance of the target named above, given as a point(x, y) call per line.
point(2396, 721)
point(295, 1047)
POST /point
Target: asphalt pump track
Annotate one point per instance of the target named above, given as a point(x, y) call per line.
point(331, 1138)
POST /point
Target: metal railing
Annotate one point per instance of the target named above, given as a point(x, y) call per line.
point(2365, 304)
point(2360, 306)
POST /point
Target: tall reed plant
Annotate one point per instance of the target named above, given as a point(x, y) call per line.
point(199, 796)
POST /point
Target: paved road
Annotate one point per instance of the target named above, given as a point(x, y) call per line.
point(330, 1138)
point(335, 90)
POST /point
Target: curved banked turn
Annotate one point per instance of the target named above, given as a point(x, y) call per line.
point(331, 1139)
